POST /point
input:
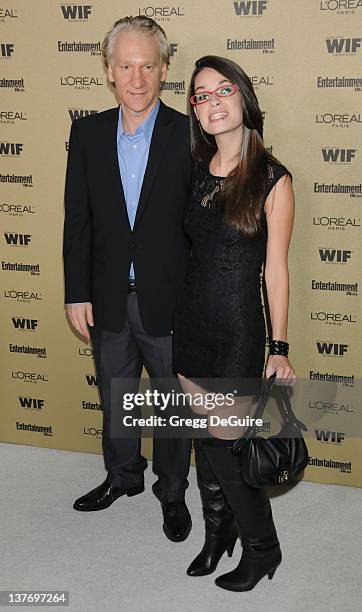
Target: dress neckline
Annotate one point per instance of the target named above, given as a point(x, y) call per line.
point(214, 176)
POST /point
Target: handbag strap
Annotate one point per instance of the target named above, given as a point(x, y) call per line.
point(285, 409)
point(262, 400)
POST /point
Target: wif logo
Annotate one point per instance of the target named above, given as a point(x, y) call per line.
point(336, 437)
point(91, 380)
point(343, 46)
point(31, 403)
point(250, 8)
point(334, 255)
point(17, 239)
point(11, 149)
point(332, 349)
point(77, 113)
point(25, 324)
point(339, 156)
point(173, 49)
point(76, 12)
point(6, 50)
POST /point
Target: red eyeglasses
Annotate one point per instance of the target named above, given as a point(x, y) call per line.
point(224, 91)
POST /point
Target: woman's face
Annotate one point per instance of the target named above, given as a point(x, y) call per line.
point(217, 115)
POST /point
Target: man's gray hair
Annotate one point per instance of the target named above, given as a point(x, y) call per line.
point(142, 24)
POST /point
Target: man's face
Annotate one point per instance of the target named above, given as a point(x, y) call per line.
point(137, 70)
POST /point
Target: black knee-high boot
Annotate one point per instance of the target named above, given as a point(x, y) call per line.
point(221, 531)
point(253, 515)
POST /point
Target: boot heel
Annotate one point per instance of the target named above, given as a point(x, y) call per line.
point(230, 548)
point(271, 574)
point(135, 491)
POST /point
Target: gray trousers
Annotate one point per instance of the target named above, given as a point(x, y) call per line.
point(122, 355)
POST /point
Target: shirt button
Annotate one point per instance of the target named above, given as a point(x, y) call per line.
point(133, 175)
point(134, 146)
point(133, 203)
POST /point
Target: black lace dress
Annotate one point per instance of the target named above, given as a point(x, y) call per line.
point(219, 328)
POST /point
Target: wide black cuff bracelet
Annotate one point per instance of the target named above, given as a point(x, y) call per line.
point(278, 347)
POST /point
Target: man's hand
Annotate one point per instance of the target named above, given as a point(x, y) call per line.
point(80, 316)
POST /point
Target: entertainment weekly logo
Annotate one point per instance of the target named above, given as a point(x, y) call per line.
point(347, 380)
point(91, 405)
point(340, 7)
point(16, 84)
point(330, 189)
point(32, 269)
point(339, 82)
point(17, 210)
point(81, 82)
point(162, 13)
point(337, 224)
point(25, 180)
point(251, 8)
point(46, 430)
point(343, 46)
point(25, 349)
point(265, 46)
point(345, 467)
point(76, 12)
point(350, 289)
point(93, 48)
point(177, 87)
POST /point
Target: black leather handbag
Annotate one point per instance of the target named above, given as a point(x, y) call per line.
point(279, 459)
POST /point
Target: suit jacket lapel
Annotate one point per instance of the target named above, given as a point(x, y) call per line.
point(110, 158)
point(160, 137)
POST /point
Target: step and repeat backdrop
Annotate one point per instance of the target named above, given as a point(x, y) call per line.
point(304, 59)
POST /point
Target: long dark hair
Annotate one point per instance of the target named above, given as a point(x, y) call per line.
point(245, 186)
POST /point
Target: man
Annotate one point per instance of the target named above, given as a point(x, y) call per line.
point(125, 253)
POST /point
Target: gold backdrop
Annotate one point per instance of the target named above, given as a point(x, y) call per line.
point(305, 62)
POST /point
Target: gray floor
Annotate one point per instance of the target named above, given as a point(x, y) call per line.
point(119, 559)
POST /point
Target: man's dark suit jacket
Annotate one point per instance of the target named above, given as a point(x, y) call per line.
point(99, 244)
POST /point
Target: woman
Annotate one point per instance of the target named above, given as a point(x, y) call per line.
point(240, 220)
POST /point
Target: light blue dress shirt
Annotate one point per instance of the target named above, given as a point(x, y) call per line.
point(133, 152)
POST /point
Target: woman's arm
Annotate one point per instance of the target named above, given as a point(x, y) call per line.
point(279, 209)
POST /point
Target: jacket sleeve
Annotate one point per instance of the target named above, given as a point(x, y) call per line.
point(77, 225)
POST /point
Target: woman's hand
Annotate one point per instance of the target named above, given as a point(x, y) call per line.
point(282, 368)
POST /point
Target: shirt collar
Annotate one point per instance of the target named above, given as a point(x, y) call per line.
point(145, 128)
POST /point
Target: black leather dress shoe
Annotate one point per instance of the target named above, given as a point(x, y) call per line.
point(177, 521)
point(103, 496)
